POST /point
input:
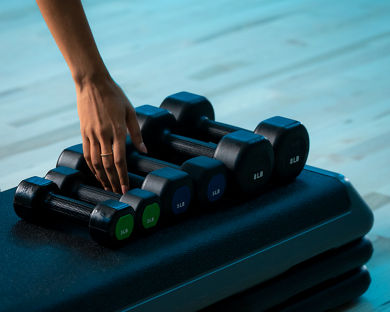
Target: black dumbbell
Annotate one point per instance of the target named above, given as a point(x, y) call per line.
point(207, 174)
point(109, 222)
point(70, 157)
point(247, 156)
point(195, 117)
point(72, 183)
point(174, 187)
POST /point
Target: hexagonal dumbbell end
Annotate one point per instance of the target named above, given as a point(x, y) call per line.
point(189, 110)
point(290, 141)
point(174, 187)
point(111, 222)
point(209, 177)
point(153, 123)
point(29, 197)
point(146, 206)
point(67, 179)
point(249, 157)
point(73, 157)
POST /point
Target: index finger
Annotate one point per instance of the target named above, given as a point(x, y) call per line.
point(119, 151)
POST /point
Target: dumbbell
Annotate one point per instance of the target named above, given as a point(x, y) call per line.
point(70, 157)
point(174, 187)
point(208, 174)
point(72, 183)
point(248, 157)
point(110, 222)
point(195, 117)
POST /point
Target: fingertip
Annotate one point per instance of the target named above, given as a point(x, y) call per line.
point(124, 188)
point(142, 148)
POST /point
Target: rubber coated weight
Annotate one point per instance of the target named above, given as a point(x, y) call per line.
point(247, 156)
point(173, 187)
point(208, 174)
point(290, 140)
point(70, 157)
point(73, 183)
point(109, 222)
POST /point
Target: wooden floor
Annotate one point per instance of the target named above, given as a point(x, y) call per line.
point(326, 63)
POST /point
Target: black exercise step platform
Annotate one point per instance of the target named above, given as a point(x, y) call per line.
point(303, 280)
point(184, 267)
point(330, 294)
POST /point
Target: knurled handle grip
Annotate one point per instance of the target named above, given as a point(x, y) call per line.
point(145, 164)
point(68, 207)
point(190, 147)
point(215, 130)
point(94, 195)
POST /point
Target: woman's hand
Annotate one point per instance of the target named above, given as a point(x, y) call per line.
point(105, 112)
point(105, 116)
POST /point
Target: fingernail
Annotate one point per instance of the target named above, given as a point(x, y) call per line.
point(106, 189)
point(143, 148)
point(124, 189)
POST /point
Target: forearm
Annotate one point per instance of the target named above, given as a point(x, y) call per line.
point(104, 110)
point(69, 26)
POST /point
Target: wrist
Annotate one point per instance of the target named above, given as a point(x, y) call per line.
point(93, 77)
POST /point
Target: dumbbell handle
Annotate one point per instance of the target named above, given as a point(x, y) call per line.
point(94, 195)
point(68, 207)
point(135, 181)
point(190, 147)
point(147, 164)
point(216, 130)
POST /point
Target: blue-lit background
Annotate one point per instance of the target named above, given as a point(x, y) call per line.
point(325, 63)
